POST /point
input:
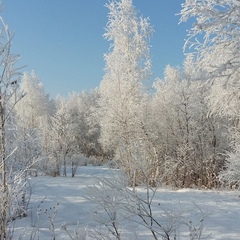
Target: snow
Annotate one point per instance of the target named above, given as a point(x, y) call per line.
point(64, 199)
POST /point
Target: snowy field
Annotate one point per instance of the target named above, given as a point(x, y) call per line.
point(61, 205)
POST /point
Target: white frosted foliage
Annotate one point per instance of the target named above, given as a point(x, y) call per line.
point(127, 65)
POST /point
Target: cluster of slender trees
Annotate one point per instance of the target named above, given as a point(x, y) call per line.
point(55, 133)
point(184, 131)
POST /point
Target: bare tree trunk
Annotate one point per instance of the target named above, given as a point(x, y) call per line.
point(4, 189)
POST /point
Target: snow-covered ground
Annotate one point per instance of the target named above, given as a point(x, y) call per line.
point(61, 201)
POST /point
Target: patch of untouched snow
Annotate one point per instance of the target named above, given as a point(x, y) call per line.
point(73, 210)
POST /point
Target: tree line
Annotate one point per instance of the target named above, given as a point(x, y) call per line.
point(183, 132)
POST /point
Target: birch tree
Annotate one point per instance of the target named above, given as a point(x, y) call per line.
point(35, 105)
point(9, 96)
point(61, 138)
point(121, 90)
point(30, 113)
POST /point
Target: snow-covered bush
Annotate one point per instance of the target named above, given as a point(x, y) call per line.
point(122, 210)
point(230, 175)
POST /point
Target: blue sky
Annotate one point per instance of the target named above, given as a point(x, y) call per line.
point(61, 40)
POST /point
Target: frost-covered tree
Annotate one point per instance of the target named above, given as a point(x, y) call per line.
point(70, 132)
point(84, 123)
point(121, 90)
point(230, 175)
point(188, 141)
point(30, 113)
point(173, 107)
point(35, 104)
point(215, 37)
point(61, 138)
point(9, 97)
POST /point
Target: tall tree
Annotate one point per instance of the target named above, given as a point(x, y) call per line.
point(61, 138)
point(127, 65)
point(30, 114)
point(9, 96)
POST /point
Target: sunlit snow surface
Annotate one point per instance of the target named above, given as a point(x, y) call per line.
point(74, 211)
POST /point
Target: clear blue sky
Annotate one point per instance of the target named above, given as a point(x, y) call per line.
point(61, 40)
